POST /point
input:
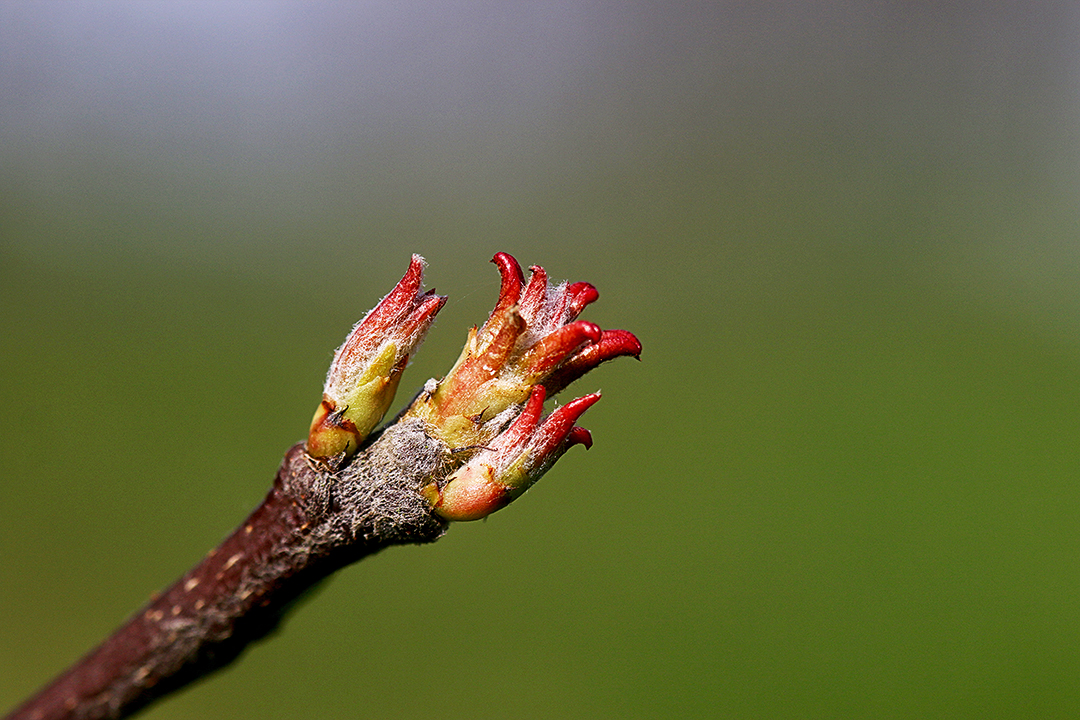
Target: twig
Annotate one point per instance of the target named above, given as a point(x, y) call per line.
point(464, 448)
point(312, 523)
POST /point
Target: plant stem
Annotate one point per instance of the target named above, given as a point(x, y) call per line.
point(312, 523)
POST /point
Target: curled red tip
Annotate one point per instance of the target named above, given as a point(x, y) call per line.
point(612, 344)
point(512, 280)
point(617, 343)
point(556, 346)
point(574, 409)
point(580, 294)
point(579, 436)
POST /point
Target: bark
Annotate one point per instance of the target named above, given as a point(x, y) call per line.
point(313, 522)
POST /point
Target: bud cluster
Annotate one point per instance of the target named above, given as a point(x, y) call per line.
point(487, 410)
point(531, 346)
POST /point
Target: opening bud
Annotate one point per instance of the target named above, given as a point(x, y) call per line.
point(367, 368)
point(512, 462)
point(531, 339)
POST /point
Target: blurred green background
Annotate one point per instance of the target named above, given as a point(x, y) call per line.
point(844, 481)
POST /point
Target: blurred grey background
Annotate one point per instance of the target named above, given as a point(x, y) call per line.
point(842, 482)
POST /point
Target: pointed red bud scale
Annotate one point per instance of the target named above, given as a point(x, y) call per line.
point(563, 418)
point(612, 344)
point(532, 299)
point(559, 425)
point(509, 294)
point(401, 297)
point(556, 346)
point(430, 304)
point(372, 329)
point(579, 295)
